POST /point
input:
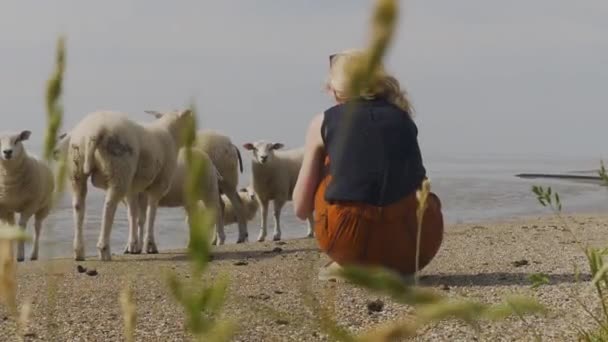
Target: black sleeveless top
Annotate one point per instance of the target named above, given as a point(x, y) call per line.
point(374, 159)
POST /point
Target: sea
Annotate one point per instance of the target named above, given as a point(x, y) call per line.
point(472, 188)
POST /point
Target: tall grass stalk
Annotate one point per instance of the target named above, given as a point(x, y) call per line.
point(202, 303)
point(54, 108)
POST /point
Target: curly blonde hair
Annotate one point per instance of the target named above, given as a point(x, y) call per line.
point(381, 83)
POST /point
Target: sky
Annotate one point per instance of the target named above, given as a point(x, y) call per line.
point(486, 78)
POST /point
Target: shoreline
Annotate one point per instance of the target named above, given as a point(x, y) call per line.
point(481, 261)
point(449, 225)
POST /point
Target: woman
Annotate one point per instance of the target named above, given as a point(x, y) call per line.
point(361, 170)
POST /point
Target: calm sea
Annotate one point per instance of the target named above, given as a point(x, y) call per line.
point(472, 189)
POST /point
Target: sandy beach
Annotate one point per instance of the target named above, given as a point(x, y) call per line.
point(484, 261)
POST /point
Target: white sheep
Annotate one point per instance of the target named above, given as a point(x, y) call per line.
point(125, 158)
point(250, 203)
point(274, 175)
point(209, 194)
point(26, 187)
point(227, 159)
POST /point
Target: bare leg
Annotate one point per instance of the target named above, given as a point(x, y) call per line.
point(149, 241)
point(79, 190)
point(264, 205)
point(109, 210)
point(239, 209)
point(278, 205)
point(133, 210)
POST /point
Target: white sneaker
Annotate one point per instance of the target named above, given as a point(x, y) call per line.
point(330, 271)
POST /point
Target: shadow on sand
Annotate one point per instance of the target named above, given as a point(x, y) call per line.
point(497, 279)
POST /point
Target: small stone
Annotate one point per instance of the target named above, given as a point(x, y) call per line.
point(375, 306)
point(281, 243)
point(520, 263)
point(282, 322)
point(278, 292)
point(241, 263)
point(81, 269)
point(92, 273)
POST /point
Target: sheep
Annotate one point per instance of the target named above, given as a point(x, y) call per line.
point(274, 175)
point(26, 187)
point(209, 194)
point(124, 158)
point(250, 202)
point(227, 158)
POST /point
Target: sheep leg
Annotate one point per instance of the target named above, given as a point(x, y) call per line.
point(8, 218)
point(239, 209)
point(133, 210)
point(21, 244)
point(218, 217)
point(264, 205)
point(141, 221)
point(109, 210)
point(79, 190)
point(40, 216)
point(311, 226)
point(219, 220)
point(278, 205)
point(149, 241)
point(219, 226)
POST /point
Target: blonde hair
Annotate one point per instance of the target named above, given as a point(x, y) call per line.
point(381, 84)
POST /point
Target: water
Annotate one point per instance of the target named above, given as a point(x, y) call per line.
point(472, 189)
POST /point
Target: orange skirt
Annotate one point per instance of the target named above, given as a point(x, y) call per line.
point(353, 233)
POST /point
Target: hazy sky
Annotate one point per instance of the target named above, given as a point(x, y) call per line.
point(514, 77)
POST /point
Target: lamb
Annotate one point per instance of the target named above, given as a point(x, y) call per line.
point(125, 158)
point(274, 175)
point(227, 158)
point(26, 187)
point(250, 202)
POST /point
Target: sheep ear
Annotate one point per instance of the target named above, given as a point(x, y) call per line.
point(62, 136)
point(154, 113)
point(24, 135)
point(186, 112)
point(249, 146)
point(277, 146)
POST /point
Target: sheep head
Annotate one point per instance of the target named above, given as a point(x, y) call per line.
point(263, 151)
point(11, 146)
point(177, 122)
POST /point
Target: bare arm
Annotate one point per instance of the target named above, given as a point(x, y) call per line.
point(310, 173)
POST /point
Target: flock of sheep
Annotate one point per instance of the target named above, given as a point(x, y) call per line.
point(143, 165)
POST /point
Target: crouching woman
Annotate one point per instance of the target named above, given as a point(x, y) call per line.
point(362, 168)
